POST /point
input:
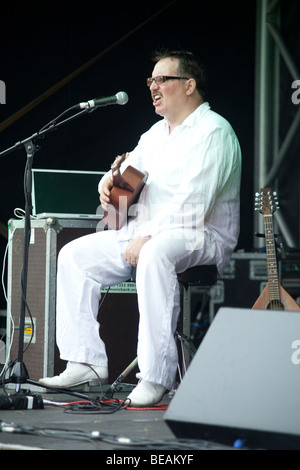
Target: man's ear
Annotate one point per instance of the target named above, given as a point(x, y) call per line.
point(190, 86)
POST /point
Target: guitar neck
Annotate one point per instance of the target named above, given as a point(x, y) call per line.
point(274, 287)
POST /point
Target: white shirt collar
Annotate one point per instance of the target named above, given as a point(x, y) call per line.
point(192, 118)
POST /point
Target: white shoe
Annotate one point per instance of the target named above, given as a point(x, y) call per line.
point(146, 394)
point(77, 374)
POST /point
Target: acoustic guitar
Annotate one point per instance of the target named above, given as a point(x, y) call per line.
point(274, 296)
point(124, 193)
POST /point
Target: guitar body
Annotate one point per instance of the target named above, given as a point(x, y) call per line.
point(286, 302)
point(124, 193)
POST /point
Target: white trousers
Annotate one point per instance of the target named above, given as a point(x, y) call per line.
point(90, 263)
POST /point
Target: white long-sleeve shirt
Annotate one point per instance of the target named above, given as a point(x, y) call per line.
point(193, 180)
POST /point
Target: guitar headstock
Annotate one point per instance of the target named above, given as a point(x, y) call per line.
point(266, 201)
point(118, 162)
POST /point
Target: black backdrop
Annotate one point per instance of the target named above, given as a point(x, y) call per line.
point(43, 42)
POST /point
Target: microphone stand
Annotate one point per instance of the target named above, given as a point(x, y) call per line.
point(19, 374)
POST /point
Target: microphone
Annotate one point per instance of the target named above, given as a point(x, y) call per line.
point(119, 98)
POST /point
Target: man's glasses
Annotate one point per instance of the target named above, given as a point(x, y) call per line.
point(162, 78)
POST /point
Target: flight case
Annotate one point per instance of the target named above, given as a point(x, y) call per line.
point(118, 315)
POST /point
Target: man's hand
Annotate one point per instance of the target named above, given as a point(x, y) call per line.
point(132, 252)
point(105, 192)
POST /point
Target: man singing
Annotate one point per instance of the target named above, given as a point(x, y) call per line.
point(188, 215)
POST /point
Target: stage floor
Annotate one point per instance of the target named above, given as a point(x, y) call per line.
point(113, 428)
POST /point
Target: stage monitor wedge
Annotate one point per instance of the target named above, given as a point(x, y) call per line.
point(244, 382)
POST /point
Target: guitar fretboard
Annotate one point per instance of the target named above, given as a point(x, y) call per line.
point(274, 290)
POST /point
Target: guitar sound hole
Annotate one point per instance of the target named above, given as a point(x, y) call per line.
point(275, 305)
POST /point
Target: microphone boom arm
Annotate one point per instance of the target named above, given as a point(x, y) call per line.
point(52, 126)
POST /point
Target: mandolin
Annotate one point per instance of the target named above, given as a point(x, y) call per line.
point(274, 296)
point(126, 189)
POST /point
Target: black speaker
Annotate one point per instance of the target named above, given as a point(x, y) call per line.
point(119, 318)
point(243, 385)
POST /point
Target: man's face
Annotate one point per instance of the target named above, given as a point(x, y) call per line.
point(168, 97)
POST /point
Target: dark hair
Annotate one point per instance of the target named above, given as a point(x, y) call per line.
point(189, 66)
